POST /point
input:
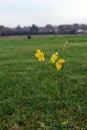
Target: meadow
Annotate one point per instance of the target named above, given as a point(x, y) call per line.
point(30, 90)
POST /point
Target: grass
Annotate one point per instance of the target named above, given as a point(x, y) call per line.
point(28, 95)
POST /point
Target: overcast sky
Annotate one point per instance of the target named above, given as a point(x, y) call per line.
point(42, 12)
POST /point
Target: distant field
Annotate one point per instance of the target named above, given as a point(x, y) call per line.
point(30, 90)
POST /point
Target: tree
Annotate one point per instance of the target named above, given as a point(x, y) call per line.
point(49, 29)
point(34, 29)
point(61, 29)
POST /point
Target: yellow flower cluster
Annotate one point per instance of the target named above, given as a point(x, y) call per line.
point(59, 62)
point(54, 58)
point(40, 55)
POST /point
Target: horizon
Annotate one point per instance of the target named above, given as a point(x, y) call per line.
point(42, 26)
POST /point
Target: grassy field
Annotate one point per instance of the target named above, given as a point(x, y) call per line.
point(30, 90)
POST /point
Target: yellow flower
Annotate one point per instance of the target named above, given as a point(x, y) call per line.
point(59, 63)
point(40, 55)
point(65, 122)
point(61, 60)
point(54, 57)
point(41, 58)
point(38, 52)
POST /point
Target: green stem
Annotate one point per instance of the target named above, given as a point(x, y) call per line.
point(61, 91)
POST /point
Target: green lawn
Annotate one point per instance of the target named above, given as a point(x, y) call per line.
point(30, 97)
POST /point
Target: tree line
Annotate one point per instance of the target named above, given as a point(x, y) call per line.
point(48, 29)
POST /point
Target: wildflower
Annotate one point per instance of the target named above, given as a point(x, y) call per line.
point(40, 55)
point(54, 57)
point(37, 53)
point(65, 122)
point(59, 63)
point(66, 43)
